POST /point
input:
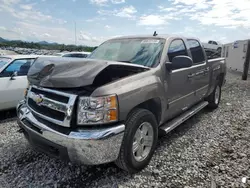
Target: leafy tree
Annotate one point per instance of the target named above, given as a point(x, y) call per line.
point(60, 47)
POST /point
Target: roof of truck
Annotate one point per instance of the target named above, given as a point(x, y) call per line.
point(162, 36)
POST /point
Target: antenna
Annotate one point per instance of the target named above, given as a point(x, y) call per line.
point(75, 33)
point(155, 34)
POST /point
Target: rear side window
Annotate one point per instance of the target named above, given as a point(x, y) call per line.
point(176, 48)
point(196, 51)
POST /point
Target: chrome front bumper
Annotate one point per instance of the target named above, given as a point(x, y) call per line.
point(86, 146)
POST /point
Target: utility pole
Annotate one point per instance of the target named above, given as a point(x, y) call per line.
point(75, 34)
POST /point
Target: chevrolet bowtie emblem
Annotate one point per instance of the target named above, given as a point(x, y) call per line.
point(37, 98)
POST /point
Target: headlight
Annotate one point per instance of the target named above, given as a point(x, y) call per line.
point(97, 110)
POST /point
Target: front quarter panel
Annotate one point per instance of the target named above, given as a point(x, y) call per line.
point(134, 90)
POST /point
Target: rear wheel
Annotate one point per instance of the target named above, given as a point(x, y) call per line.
point(214, 97)
point(139, 142)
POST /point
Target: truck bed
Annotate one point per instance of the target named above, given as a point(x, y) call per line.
point(212, 54)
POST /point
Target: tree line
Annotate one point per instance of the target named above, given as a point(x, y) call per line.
point(50, 46)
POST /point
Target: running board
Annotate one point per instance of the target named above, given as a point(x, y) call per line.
point(169, 126)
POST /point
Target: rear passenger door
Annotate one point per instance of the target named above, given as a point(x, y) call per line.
point(199, 78)
point(180, 92)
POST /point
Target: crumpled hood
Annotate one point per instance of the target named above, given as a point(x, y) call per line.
point(59, 72)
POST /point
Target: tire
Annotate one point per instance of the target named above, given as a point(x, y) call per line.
point(215, 97)
point(129, 160)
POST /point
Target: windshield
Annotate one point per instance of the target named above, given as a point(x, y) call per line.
point(4, 61)
point(146, 52)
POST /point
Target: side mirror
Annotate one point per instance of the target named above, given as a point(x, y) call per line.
point(179, 62)
point(14, 74)
point(168, 66)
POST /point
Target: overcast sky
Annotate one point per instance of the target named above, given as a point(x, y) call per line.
point(98, 20)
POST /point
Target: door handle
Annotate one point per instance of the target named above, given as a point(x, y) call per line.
point(191, 75)
point(206, 70)
point(199, 72)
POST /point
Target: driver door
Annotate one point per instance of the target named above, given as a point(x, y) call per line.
point(12, 86)
point(180, 93)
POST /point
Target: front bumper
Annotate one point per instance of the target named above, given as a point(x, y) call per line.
point(85, 146)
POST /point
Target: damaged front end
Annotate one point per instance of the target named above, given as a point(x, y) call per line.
point(71, 73)
point(61, 118)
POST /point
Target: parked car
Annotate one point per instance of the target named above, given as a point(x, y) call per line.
point(111, 106)
point(213, 45)
point(76, 54)
point(13, 79)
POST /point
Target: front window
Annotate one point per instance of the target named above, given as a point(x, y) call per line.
point(176, 48)
point(4, 61)
point(146, 52)
point(21, 66)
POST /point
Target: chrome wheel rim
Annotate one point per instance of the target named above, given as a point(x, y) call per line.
point(143, 141)
point(217, 95)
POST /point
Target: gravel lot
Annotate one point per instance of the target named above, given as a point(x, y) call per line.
point(212, 149)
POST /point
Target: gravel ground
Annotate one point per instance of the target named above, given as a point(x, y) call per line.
point(212, 149)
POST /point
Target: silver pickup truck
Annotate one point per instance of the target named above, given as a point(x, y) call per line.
point(111, 106)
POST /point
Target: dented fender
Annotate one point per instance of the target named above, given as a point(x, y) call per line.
point(134, 90)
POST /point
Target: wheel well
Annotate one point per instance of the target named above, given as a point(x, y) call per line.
point(220, 78)
point(154, 106)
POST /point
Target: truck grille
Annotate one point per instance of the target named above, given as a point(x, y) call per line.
point(51, 105)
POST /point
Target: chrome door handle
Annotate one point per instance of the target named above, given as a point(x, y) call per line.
point(199, 72)
point(191, 75)
point(206, 70)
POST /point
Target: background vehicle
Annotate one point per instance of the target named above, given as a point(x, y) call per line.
point(111, 106)
point(237, 55)
point(76, 54)
point(13, 79)
point(213, 45)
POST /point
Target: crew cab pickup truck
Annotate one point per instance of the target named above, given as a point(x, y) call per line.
point(111, 106)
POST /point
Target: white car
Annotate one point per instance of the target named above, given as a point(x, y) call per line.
point(213, 45)
point(13, 79)
point(76, 54)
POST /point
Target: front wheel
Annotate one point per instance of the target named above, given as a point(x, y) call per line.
point(139, 142)
point(215, 97)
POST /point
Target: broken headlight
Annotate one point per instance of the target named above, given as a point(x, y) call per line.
point(97, 110)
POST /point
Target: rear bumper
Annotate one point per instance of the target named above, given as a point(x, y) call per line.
point(85, 146)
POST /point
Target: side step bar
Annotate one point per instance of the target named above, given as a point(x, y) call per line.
point(169, 126)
